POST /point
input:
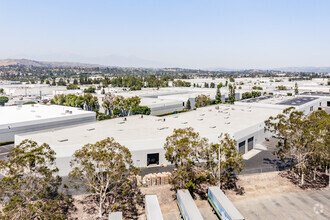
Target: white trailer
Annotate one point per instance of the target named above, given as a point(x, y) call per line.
point(187, 206)
point(153, 211)
point(222, 205)
point(115, 216)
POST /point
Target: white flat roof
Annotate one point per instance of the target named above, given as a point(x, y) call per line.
point(150, 132)
point(28, 113)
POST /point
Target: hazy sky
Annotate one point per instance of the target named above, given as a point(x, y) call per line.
point(183, 33)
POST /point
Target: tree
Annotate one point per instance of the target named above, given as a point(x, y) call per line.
point(141, 110)
point(126, 105)
point(206, 85)
point(281, 87)
point(319, 133)
point(90, 89)
point(1, 91)
point(299, 137)
point(202, 101)
point(212, 85)
point(30, 182)
point(3, 100)
point(188, 105)
point(61, 82)
point(71, 87)
point(218, 96)
point(185, 149)
point(231, 96)
point(296, 90)
point(75, 82)
point(108, 102)
point(106, 170)
point(91, 102)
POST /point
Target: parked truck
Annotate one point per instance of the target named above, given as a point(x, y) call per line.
point(222, 205)
point(153, 211)
point(187, 206)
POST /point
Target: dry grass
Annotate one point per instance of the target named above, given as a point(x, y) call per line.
point(265, 184)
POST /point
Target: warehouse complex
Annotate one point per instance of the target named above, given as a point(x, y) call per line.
point(145, 136)
point(28, 118)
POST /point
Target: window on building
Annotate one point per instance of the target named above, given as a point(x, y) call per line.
point(250, 143)
point(241, 147)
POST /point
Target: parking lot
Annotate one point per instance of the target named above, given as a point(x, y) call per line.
point(294, 205)
point(4, 150)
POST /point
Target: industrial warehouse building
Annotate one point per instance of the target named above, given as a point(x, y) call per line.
point(31, 118)
point(145, 136)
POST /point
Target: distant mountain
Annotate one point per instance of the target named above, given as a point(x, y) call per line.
point(26, 62)
point(304, 69)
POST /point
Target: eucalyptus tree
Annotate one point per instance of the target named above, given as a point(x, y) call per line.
point(105, 169)
point(29, 184)
point(296, 90)
point(231, 161)
point(108, 102)
point(202, 100)
point(303, 139)
point(218, 96)
point(185, 148)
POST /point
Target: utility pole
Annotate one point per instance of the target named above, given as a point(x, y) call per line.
point(219, 167)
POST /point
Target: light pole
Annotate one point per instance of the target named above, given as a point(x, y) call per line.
point(219, 160)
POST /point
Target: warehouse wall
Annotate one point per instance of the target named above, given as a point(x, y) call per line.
point(8, 133)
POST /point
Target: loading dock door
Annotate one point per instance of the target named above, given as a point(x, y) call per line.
point(250, 143)
point(153, 159)
point(241, 147)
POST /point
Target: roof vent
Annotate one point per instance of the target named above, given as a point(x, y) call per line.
point(200, 119)
point(213, 126)
point(162, 128)
point(63, 140)
point(121, 122)
point(185, 122)
point(90, 129)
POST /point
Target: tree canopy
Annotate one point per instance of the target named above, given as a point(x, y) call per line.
point(303, 139)
point(196, 161)
point(106, 170)
point(202, 101)
point(29, 186)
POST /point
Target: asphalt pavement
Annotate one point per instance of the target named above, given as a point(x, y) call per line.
point(4, 150)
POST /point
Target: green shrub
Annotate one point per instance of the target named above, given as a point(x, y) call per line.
point(143, 110)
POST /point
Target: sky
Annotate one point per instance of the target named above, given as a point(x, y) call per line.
point(236, 34)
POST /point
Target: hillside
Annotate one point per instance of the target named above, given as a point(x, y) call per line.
point(26, 62)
